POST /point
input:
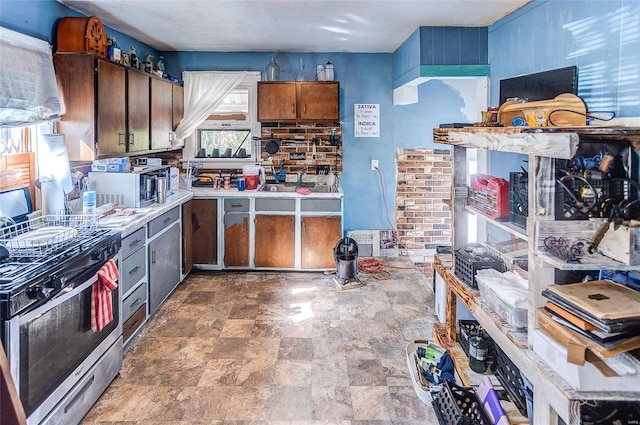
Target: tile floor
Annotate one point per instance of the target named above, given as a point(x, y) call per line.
point(276, 348)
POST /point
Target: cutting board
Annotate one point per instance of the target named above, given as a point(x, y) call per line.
point(603, 299)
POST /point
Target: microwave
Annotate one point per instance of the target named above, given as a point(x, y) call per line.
point(128, 190)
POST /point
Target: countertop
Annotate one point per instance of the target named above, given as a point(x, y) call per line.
point(129, 224)
point(207, 192)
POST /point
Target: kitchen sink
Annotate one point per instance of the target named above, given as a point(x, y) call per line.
point(291, 187)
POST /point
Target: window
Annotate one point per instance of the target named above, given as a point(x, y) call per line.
point(226, 138)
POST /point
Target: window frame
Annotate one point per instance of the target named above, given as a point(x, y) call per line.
point(190, 149)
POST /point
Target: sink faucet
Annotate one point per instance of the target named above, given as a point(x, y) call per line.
point(300, 174)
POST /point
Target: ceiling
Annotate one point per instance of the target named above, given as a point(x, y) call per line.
point(350, 26)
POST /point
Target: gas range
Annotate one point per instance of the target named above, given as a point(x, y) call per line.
point(28, 282)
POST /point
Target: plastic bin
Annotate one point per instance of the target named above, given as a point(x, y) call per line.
point(512, 314)
point(456, 405)
point(510, 378)
point(467, 264)
point(468, 329)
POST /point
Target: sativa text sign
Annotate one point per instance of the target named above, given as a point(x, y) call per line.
point(367, 119)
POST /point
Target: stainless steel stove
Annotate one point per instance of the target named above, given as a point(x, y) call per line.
point(59, 365)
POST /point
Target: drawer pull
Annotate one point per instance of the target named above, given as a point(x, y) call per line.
point(133, 325)
point(133, 270)
point(166, 220)
point(136, 302)
point(153, 257)
point(135, 243)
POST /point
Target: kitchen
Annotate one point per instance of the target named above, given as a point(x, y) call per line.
point(403, 127)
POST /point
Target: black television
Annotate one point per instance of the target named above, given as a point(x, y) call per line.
point(541, 85)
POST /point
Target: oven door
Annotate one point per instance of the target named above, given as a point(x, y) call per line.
point(52, 347)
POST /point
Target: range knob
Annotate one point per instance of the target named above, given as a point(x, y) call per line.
point(39, 292)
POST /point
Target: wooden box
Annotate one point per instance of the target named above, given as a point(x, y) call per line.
point(77, 35)
point(622, 244)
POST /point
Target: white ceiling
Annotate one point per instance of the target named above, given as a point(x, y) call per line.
point(355, 26)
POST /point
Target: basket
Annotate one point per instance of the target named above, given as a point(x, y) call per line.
point(519, 198)
point(423, 388)
point(36, 238)
point(468, 329)
point(456, 405)
point(467, 263)
point(510, 378)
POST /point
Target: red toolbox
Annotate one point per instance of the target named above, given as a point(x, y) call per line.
point(490, 195)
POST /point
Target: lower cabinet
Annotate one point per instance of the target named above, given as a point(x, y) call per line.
point(319, 236)
point(133, 282)
point(164, 257)
point(275, 241)
point(187, 238)
point(236, 233)
point(203, 221)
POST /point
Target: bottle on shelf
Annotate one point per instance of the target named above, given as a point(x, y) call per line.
point(161, 66)
point(148, 64)
point(272, 71)
point(133, 59)
point(328, 72)
point(113, 50)
point(300, 76)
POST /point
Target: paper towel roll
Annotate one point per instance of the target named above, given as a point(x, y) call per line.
point(52, 197)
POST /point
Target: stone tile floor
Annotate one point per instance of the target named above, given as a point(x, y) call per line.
point(276, 348)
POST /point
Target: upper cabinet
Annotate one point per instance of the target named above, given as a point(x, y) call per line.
point(111, 110)
point(298, 101)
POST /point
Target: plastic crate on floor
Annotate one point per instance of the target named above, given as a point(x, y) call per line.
point(467, 264)
point(456, 405)
point(510, 378)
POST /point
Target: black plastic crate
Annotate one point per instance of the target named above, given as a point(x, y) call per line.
point(468, 329)
point(519, 198)
point(456, 405)
point(510, 378)
point(468, 262)
point(577, 199)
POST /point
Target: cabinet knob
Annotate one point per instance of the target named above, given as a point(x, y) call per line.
point(121, 138)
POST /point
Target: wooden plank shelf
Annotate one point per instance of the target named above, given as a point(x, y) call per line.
point(504, 225)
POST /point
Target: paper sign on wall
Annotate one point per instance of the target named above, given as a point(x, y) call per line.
point(367, 119)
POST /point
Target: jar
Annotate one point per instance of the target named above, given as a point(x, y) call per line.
point(320, 76)
point(272, 71)
point(328, 72)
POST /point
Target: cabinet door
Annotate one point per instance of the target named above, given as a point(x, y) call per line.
point(111, 117)
point(138, 111)
point(177, 104)
point(319, 101)
point(161, 120)
point(204, 221)
point(75, 75)
point(319, 236)
point(236, 239)
point(164, 266)
point(275, 241)
point(276, 101)
point(187, 237)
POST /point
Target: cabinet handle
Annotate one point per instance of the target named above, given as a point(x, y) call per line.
point(133, 270)
point(121, 138)
point(134, 243)
point(153, 257)
point(166, 220)
point(293, 106)
point(304, 108)
point(136, 302)
point(132, 139)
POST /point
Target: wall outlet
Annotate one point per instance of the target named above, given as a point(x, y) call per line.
point(374, 164)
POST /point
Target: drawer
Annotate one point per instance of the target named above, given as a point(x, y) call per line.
point(160, 223)
point(133, 242)
point(134, 322)
point(133, 269)
point(236, 205)
point(134, 301)
point(271, 204)
point(320, 205)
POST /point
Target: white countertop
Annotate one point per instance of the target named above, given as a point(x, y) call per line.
point(129, 224)
point(207, 192)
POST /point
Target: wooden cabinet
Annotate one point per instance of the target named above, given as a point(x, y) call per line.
point(236, 232)
point(204, 223)
point(137, 111)
point(275, 241)
point(93, 92)
point(319, 236)
point(299, 101)
point(111, 110)
point(161, 114)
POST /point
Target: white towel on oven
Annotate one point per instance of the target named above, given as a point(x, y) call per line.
point(101, 303)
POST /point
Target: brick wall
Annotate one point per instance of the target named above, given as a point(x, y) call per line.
point(423, 219)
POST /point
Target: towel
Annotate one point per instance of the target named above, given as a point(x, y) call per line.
point(101, 309)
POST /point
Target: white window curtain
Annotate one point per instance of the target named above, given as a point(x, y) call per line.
point(203, 92)
point(28, 90)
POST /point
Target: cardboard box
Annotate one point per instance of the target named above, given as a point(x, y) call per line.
point(584, 378)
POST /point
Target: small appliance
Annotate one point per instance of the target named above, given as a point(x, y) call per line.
point(345, 254)
point(129, 190)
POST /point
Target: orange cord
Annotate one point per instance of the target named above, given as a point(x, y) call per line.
point(376, 268)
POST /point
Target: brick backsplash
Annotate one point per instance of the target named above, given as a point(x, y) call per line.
point(299, 138)
point(423, 220)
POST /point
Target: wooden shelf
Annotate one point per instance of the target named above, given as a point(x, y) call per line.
point(504, 225)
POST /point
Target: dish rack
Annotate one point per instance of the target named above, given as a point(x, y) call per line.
point(41, 236)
